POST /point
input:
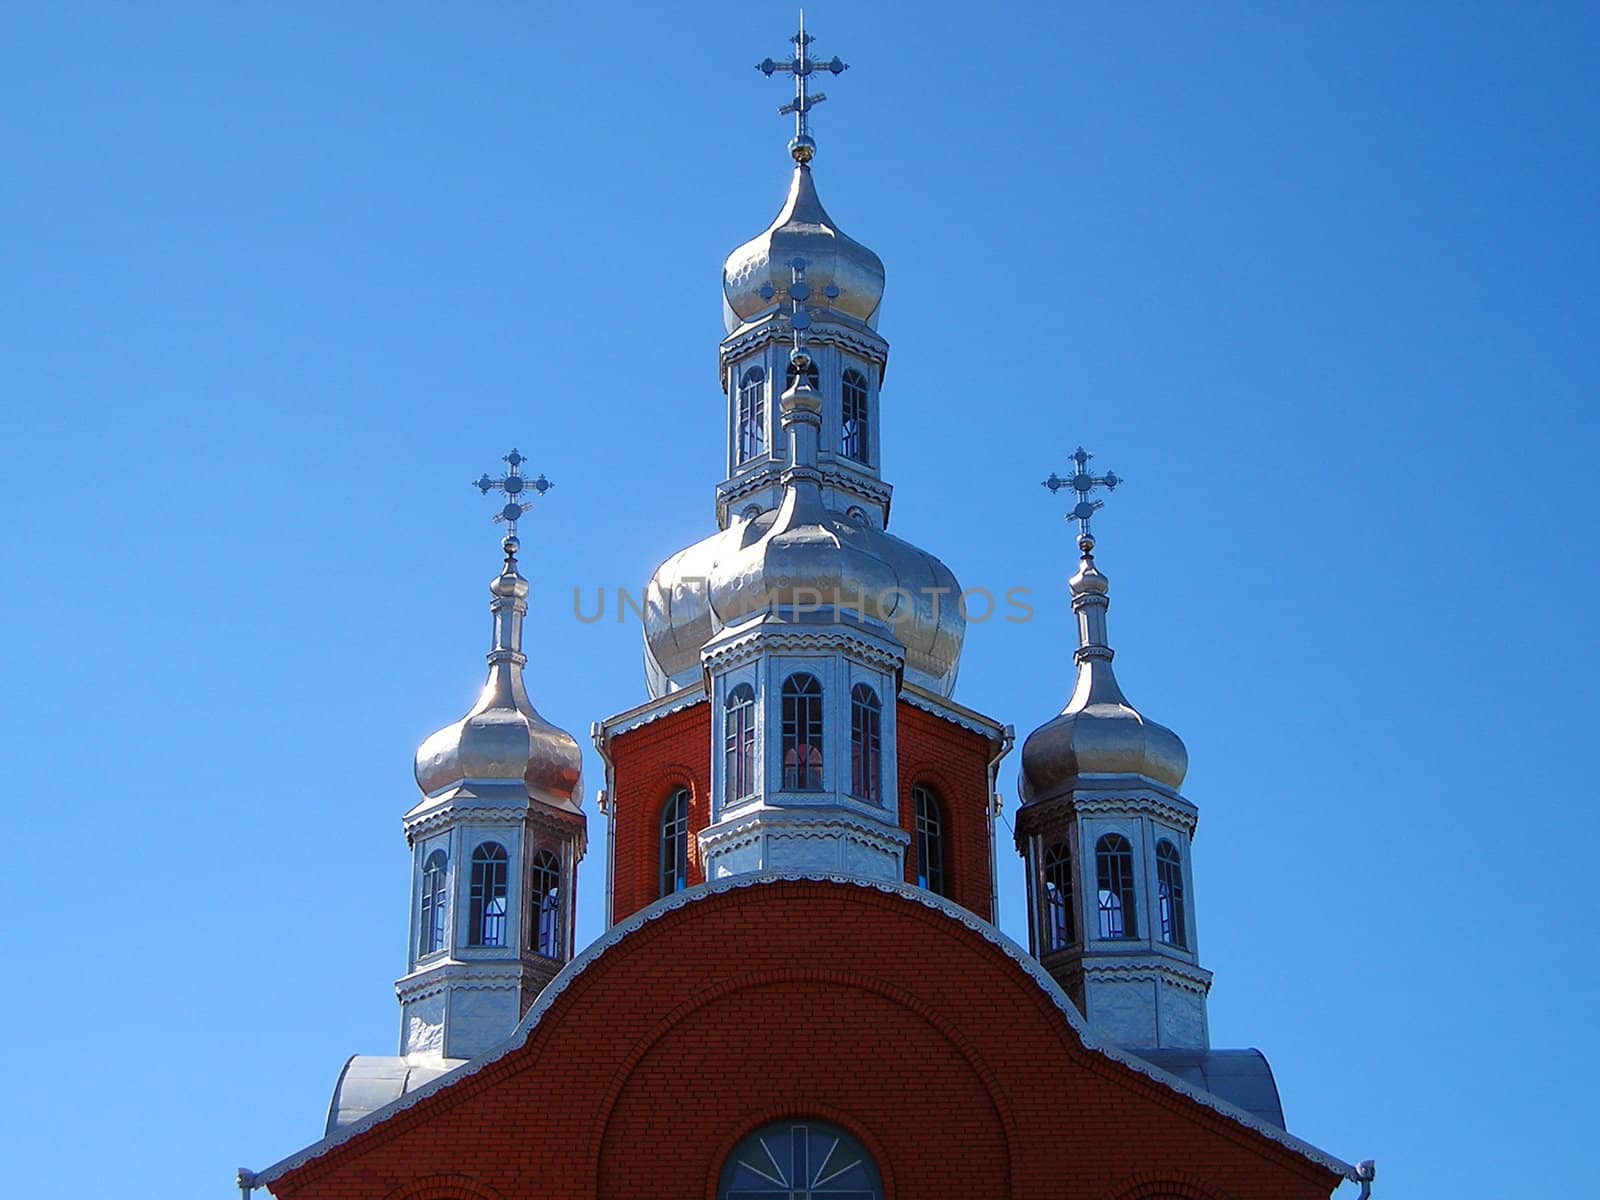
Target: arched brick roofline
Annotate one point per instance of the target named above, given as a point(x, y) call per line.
point(843, 979)
point(802, 1109)
point(444, 1187)
point(1149, 1185)
point(398, 1116)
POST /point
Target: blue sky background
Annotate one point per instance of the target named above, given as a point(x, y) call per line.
point(279, 279)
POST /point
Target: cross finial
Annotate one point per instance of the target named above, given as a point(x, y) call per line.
point(801, 147)
point(1083, 483)
point(514, 485)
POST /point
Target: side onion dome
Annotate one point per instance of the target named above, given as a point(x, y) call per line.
point(503, 739)
point(1099, 732)
point(840, 272)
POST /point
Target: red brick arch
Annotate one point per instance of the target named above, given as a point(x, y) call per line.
point(444, 1187)
point(731, 1006)
point(833, 981)
point(1176, 1186)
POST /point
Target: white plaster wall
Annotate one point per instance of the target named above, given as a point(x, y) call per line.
point(1124, 1011)
point(422, 1025)
point(803, 852)
point(480, 1018)
point(1183, 1019)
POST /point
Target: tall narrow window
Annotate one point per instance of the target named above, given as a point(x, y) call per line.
point(434, 906)
point(929, 837)
point(739, 743)
point(675, 842)
point(866, 744)
point(544, 905)
point(1114, 866)
point(1059, 931)
point(488, 909)
point(812, 377)
point(1169, 892)
point(853, 426)
point(802, 733)
point(752, 434)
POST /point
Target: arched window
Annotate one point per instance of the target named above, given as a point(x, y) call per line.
point(799, 1159)
point(1169, 891)
point(853, 425)
point(739, 743)
point(675, 842)
point(812, 377)
point(434, 905)
point(802, 733)
point(488, 910)
point(866, 744)
point(544, 905)
point(1113, 860)
point(929, 837)
point(1059, 930)
point(752, 435)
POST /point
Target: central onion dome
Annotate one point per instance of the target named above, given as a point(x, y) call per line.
point(786, 558)
point(839, 269)
point(503, 739)
point(1098, 732)
point(803, 558)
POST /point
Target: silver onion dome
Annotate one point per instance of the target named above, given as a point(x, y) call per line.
point(1099, 732)
point(771, 562)
point(503, 739)
point(803, 557)
point(839, 270)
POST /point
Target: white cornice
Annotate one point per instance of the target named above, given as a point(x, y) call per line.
point(653, 710)
point(956, 714)
point(772, 637)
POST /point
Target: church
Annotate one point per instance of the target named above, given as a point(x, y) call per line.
point(801, 991)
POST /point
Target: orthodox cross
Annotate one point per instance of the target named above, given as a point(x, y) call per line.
point(801, 148)
point(514, 485)
point(1083, 483)
point(799, 293)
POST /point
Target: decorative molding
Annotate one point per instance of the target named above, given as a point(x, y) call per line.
point(1180, 975)
point(663, 706)
point(826, 330)
point(1035, 815)
point(668, 904)
point(752, 826)
point(766, 476)
point(956, 714)
point(765, 638)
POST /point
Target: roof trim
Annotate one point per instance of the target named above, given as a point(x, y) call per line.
point(957, 714)
point(653, 710)
point(694, 895)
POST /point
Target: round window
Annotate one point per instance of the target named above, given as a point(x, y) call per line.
point(799, 1159)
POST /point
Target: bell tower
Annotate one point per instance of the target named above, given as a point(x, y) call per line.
point(801, 659)
point(1106, 836)
point(495, 840)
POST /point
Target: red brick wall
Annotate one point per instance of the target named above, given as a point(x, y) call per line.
point(954, 763)
point(652, 762)
point(818, 999)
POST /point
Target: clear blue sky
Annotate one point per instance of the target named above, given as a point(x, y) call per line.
point(279, 279)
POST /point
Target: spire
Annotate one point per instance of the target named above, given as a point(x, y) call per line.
point(1090, 588)
point(513, 485)
point(802, 67)
point(503, 737)
point(1099, 731)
